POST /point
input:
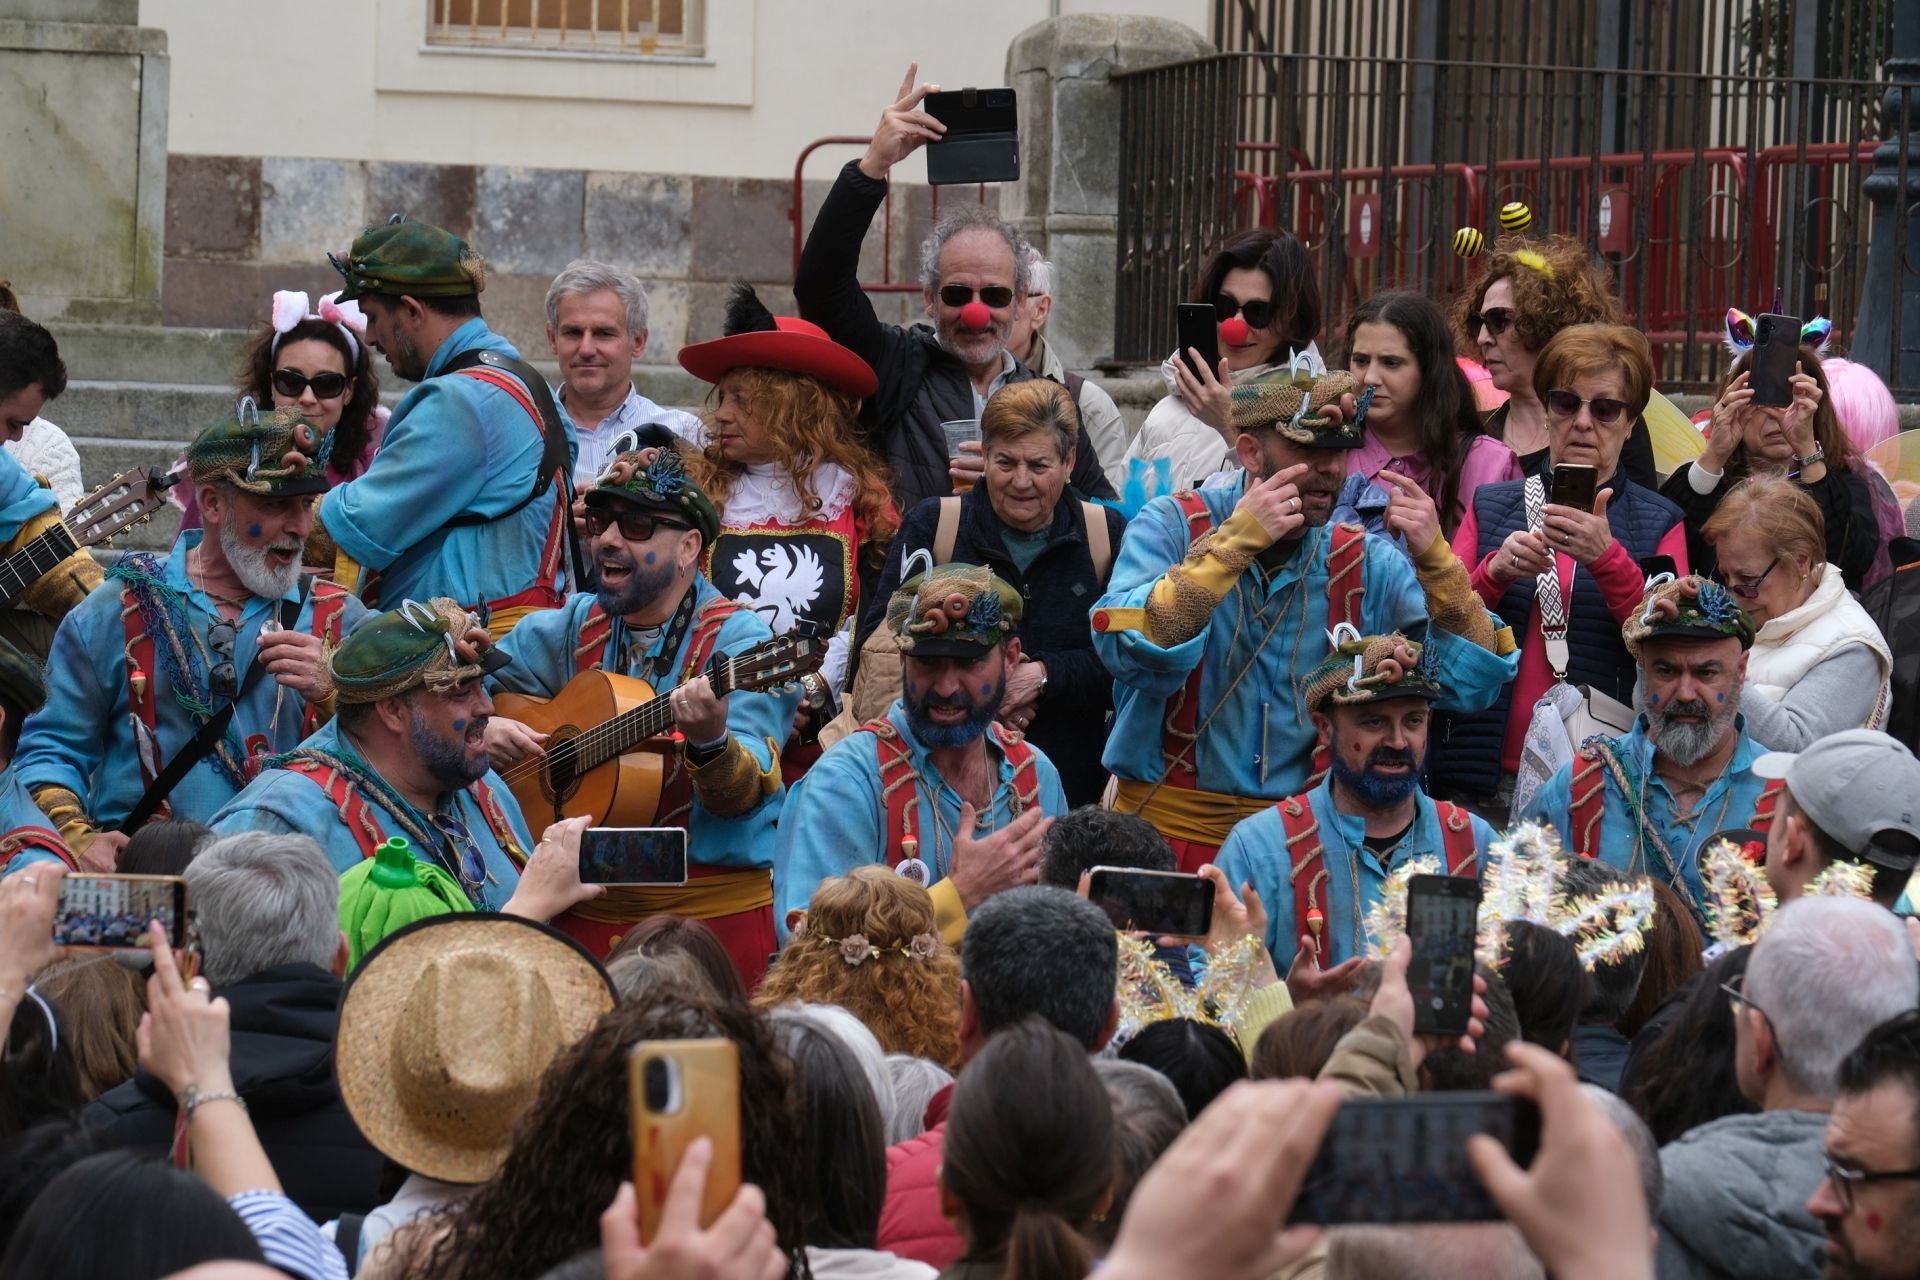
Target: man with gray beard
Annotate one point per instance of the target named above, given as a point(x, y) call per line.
point(974, 285)
point(152, 656)
point(1652, 800)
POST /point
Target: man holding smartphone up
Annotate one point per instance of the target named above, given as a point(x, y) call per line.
point(1319, 859)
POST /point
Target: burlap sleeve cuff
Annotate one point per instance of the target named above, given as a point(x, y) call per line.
point(321, 549)
point(1452, 603)
point(63, 586)
point(1374, 1060)
point(68, 816)
point(732, 782)
point(1185, 596)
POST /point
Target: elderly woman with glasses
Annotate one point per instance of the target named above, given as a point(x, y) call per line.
point(1803, 442)
point(1530, 291)
point(1594, 381)
point(1818, 664)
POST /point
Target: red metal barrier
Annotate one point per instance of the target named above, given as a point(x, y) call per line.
point(797, 215)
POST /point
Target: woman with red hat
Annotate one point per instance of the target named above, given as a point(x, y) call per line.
point(805, 512)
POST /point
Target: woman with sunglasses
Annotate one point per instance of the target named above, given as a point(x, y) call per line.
point(1818, 664)
point(316, 362)
point(1421, 423)
point(1266, 303)
point(1594, 380)
point(1531, 290)
point(1803, 442)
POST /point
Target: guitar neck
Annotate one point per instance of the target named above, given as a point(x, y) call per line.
point(29, 564)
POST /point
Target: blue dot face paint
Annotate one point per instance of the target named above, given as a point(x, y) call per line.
point(459, 726)
point(1719, 697)
point(253, 531)
point(650, 557)
point(1653, 699)
point(986, 690)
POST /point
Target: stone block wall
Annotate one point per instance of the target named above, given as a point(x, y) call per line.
point(240, 227)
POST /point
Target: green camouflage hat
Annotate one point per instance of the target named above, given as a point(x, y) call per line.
point(655, 479)
point(389, 891)
point(1363, 669)
point(1691, 607)
point(277, 454)
point(21, 682)
point(1291, 403)
point(437, 644)
point(410, 258)
point(954, 611)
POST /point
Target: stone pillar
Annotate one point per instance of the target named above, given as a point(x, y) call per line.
point(1892, 286)
point(83, 158)
point(1068, 198)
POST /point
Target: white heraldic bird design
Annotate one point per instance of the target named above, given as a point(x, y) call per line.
point(786, 581)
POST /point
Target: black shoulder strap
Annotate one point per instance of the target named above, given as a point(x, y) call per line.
point(346, 1235)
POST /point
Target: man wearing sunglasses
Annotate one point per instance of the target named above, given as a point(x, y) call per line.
point(1869, 1201)
point(141, 668)
point(654, 616)
point(1742, 1192)
point(1221, 603)
point(468, 496)
point(975, 283)
point(405, 757)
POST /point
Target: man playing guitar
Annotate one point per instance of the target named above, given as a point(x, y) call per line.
point(656, 618)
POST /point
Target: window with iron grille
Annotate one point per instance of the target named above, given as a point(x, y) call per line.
point(635, 28)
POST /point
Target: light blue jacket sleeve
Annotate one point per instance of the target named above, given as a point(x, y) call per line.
point(1252, 854)
point(65, 742)
point(21, 497)
point(1155, 541)
point(1483, 836)
point(1552, 805)
point(832, 823)
point(418, 480)
point(541, 646)
point(1470, 676)
point(27, 858)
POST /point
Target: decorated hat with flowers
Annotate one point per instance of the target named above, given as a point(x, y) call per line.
point(953, 611)
point(1363, 669)
point(272, 454)
point(1692, 607)
point(438, 645)
point(656, 479)
point(1291, 403)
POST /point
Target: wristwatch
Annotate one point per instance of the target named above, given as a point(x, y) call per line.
point(1818, 455)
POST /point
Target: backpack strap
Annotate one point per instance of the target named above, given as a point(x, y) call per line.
point(1179, 732)
point(1307, 856)
point(947, 531)
point(594, 630)
point(1456, 838)
point(897, 792)
point(1769, 802)
point(355, 811)
point(1587, 804)
point(1099, 540)
point(1026, 772)
point(141, 710)
point(35, 837)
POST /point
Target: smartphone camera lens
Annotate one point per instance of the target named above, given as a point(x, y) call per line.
point(657, 1080)
point(1766, 328)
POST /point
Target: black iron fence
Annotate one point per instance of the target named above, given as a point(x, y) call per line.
point(1733, 186)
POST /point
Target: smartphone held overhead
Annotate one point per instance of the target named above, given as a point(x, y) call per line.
point(1389, 1160)
point(1162, 903)
point(111, 912)
point(1776, 352)
point(1443, 915)
point(633, 855)
point(1199, 331)
point(982, 141)
point(680, 1090)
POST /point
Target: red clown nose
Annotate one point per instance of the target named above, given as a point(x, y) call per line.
point(976, 316)
point(1234, 331)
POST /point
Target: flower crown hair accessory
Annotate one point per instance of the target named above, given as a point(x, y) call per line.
point(290, 307)
point(856, 948)
point(1815, 333)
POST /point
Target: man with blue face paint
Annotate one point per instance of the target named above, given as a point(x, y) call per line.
point(935, 789)
point(1318, 860)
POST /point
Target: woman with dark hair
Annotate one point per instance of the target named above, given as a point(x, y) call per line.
point(659, 935)
point(1201, 1060)
point(1803, 442)
point(842, 1158)
point(1298, 1043)
point(1681, 1072)
point(1421, 423)
point(1266, 302)
point(162, 848)
point(1028, 1159)
point(574, 1147)
point(1542, 973)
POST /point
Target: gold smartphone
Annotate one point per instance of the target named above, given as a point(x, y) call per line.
point(681, 1090)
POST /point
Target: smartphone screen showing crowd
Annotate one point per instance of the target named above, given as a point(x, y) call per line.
point(1389, 1160)
point(1442, 919)
point(111, 912)
point(633, 855)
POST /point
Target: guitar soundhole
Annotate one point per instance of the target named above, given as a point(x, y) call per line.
point(562, 775)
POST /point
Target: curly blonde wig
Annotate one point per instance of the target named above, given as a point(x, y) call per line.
point(910, 1003)
point(808, 423)
point(1556, 283)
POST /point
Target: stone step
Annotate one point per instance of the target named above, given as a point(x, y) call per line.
point(149, 353)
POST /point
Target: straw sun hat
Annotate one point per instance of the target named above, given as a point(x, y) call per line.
point(448, 1026)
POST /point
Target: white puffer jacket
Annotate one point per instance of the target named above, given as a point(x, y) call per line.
point(1797, 641)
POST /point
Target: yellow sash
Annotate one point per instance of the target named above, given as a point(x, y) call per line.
point(708, 898)
point(1182, 813)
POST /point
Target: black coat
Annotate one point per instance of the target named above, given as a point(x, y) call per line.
point(1057, 590)
point(283, 1023)
point(921, 386)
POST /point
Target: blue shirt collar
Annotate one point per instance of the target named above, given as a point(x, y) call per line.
point(467, 335)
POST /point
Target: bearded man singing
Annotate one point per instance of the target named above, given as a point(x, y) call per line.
point(936, 789)
point(141, 666)
point(1651, 801)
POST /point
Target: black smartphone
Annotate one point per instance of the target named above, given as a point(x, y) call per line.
point(1776, 348)
point(1156, 902)
point(1388, 1160)
point(1653, 566)
point(1199, 329)
point(1575, 484)
point(633, 855)
point(1442, 920)
point(982, 142)
point(111, 912)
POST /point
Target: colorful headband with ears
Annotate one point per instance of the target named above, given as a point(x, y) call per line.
point(1814, 333)
point(290, 307)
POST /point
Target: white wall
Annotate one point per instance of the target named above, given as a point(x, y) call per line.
point(345, 79)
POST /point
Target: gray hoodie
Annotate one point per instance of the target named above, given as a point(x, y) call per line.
point(1736, 1199)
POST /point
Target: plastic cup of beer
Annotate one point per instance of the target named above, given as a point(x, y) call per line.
point(961, 431)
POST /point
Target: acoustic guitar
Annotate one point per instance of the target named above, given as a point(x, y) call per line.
point(112, 509)
point(606, 756)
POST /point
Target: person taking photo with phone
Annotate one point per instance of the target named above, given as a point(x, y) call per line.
point(1562, 571)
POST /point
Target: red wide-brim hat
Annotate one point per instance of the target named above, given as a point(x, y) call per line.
point(795, 345)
